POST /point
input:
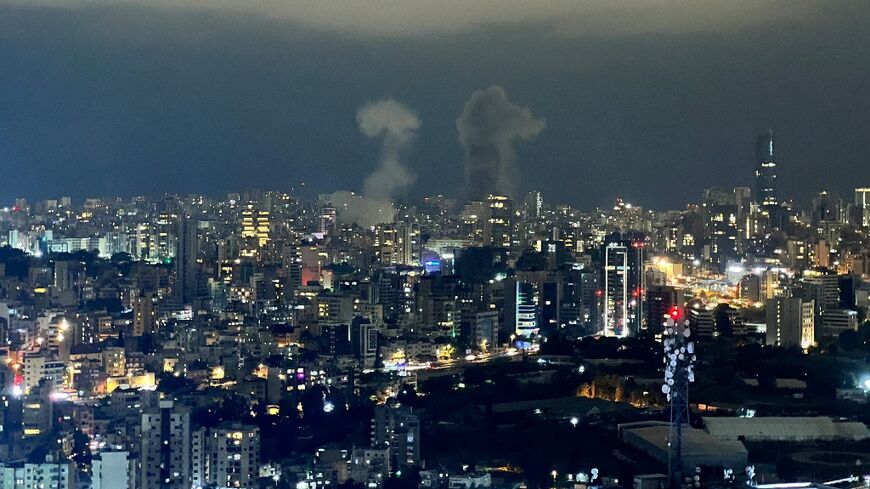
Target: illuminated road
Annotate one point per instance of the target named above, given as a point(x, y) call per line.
point(450, 367)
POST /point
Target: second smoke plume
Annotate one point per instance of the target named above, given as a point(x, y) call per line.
point(488, 126)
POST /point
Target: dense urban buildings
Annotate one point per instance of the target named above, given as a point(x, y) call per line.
point(189, 341)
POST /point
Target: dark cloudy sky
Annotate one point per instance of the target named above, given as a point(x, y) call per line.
point(651, 100)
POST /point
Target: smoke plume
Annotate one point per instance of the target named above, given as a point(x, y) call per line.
point(364, 211)
point(397, 125)
point(488, 126)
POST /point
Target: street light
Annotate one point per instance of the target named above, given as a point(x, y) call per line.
point(574, 421)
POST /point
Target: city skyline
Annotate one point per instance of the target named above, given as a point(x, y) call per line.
point(454, 244)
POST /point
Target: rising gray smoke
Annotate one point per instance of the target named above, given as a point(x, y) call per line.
point(488, 126)
point(397, 125)
point(364, 211)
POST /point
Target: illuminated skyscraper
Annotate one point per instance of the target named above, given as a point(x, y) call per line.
point(862, 203)
point(328, 218)
point(534, 204)
point(616, 291)
point(497, 228)
point(473, 216)
point(721, 226)
point(622, 305)
point(162, 245)
point(255, 230)
point(399, 244)
point(765, 172)
point(521, 311)
point(790, 322)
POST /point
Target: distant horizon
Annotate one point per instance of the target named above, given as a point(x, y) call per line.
point(415, 201)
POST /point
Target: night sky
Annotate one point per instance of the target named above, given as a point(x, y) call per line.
point(651, 101)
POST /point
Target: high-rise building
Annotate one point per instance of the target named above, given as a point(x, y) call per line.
point(255, 230)
point(186, 250)
point(37, 414)
point(39, 367)
point(113, 470)
point(616, 289)
point(328, 218)
point(473, 216)
point(590, 293)
point(481, 328)
point(659, 302)
point(66, 275)
point(50, 474)
point(226, 456)
point(835, 321)
point(397, 428)
point(399, 244)
point(790, 322)
point(721, 228)
point(823, 286)
point(750, 288)
point(144, 314)
point(765, 171)
point(743, 199)
point(164, 450)
point(702, 321)
point(162, 246)
point(821, 254)
point(334, 308)
point(524, 309)
point(364, 341)
point(862, 203)
point(497, 228)
point(827, 208)
point(550, 299)
point(437, 305)
point(534, 204)
point(622, 286)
